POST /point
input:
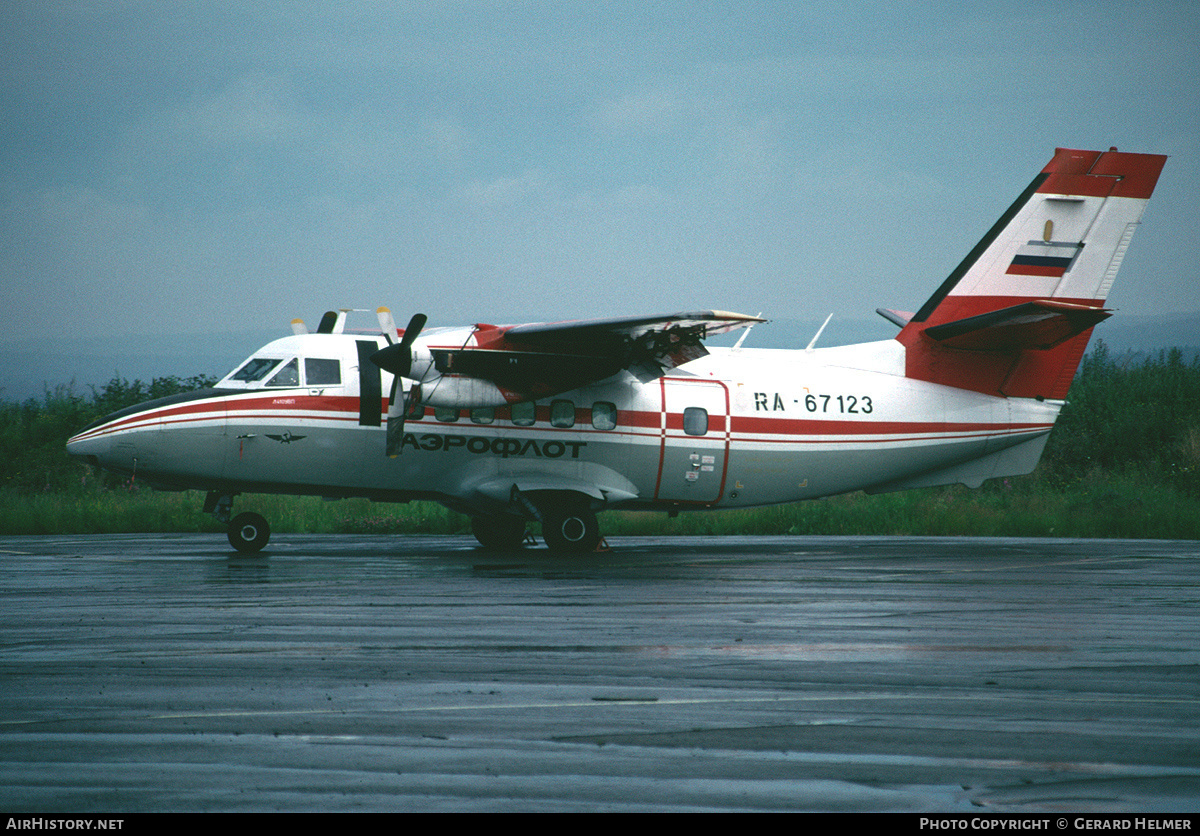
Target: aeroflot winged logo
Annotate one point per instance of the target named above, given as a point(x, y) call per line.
point(286, 438)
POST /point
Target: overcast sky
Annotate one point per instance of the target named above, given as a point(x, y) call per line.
point(210, 166)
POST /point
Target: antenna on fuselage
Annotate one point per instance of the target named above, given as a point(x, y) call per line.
point(746, 333)
point(817, 335)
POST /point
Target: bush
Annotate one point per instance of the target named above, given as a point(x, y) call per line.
point(34, 433)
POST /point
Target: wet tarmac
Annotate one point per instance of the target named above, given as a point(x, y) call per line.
point(335, 673)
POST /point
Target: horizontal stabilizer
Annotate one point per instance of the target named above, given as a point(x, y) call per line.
point(897, 318)
point(1040, 324)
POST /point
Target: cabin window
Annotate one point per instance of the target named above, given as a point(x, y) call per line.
point(695, 421)
point(562, 414)
point(604, 415)
point(483, 415)
point(318, 372)
point(449, 414)
point(289, 375)
point(256, 368)
point(524, 414)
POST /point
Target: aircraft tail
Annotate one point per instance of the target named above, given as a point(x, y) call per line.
point(1014, 318)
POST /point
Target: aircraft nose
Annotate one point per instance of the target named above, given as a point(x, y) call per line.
point(95, 441)
point(88, 445)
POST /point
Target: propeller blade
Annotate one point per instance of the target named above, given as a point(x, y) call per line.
point(395, 420)
point(386, 324)
point(395, 358)
point(328, 321)
point(414, 329)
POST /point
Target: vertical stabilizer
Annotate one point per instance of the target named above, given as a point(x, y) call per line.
point(1014, 318)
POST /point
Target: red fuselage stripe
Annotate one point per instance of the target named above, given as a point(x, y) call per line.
point(741, 427)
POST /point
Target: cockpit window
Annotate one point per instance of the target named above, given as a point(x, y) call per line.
point(289, 375)
point(256, 368)
point(318, 372)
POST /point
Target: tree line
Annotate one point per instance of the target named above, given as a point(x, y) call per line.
point(34, 433)
point(1124, 413)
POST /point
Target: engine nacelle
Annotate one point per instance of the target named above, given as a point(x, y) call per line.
point(460, 392)
point(422, 364)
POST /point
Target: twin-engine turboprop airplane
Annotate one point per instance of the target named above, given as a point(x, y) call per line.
point(556, 421)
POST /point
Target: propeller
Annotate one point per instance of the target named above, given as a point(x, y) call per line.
point(397, 358)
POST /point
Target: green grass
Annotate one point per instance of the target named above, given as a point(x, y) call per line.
point(101, 511)
point(1138, 503)
point(1135, 505)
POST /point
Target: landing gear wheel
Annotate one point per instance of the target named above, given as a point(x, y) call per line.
point(503, 533)
point(249, 532)
point(572, 530)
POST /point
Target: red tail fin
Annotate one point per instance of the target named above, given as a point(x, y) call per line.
point(1014, 318)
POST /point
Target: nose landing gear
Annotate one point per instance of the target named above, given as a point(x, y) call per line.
point(248, 532)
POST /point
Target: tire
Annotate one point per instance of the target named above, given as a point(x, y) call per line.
point(573, 530)
point(249, 532)
point(502, 533)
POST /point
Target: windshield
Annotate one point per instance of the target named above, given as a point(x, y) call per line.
point(289, 375)
point(256, 368)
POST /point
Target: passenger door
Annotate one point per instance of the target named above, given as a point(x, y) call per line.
point(694, 426)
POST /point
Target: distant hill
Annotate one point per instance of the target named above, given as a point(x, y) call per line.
point(28, 367)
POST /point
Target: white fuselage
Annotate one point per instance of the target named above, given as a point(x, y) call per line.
point(739, 427)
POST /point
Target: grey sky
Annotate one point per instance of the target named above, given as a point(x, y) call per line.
point(192, 167)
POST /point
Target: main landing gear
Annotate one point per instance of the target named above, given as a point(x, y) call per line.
point(571, 529)
point(248, 532)
point(569, 524)
point(502, 532)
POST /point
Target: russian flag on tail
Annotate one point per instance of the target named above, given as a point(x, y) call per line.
point(1044, 258)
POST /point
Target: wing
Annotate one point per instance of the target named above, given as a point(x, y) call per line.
point(541, 358)
point(670, 340)
point(703, 323)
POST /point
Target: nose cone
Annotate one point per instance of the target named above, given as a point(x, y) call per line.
point(163, 438)
point(97, 441)
point(91, 443)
